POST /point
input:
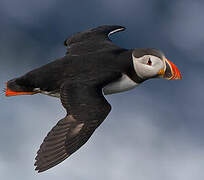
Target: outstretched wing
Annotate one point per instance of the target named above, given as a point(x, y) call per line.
point(87, 108)
point(92, 40)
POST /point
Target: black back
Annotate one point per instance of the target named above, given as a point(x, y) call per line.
point(91, 58)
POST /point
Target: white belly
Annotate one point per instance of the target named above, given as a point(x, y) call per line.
point(122, 84)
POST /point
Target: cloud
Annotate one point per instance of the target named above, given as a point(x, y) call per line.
point(127, 145)
point(27, 12)
point(153, 132)
point(185, 27)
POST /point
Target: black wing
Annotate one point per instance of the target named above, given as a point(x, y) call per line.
point(87, 108)
point(92, 40)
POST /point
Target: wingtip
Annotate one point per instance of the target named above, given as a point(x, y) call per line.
point(38, 171)
point(37, 168)
point(41, 169)
point(123, 27)
point(111, 26)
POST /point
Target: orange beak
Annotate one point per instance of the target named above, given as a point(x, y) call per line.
point(175, 72)
point(171, 72)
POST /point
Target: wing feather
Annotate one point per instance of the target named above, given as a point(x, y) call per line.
point(92, 40)
point(87, 109)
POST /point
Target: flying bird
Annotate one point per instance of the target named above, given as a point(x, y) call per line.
point(92, 67)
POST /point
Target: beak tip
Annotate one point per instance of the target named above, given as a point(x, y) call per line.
point(176, 74)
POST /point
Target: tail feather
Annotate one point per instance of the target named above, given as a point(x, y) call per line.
point(13, 89)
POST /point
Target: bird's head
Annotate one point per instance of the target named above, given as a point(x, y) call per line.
point(151, 63)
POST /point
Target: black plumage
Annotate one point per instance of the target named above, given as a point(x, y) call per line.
point(87, 108)
point(91, 57)
point(91, 63)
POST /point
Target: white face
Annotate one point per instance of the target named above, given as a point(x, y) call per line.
point(148, 66)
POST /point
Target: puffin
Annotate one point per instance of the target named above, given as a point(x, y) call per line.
point(92, 67)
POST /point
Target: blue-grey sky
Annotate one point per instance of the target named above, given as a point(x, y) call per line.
point(153, 132)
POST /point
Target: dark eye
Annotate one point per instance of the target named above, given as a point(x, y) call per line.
point(149, 62)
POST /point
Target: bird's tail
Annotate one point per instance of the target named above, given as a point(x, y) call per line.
point(16, 87)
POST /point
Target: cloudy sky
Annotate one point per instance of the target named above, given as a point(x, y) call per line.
point(153, 132)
